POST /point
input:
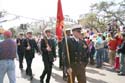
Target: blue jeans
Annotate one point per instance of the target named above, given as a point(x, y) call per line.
point(99, 54)
point(7, 66)
point(105, 55)
point(122, 63)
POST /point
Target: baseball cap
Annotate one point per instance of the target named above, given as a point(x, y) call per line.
point(7, 33)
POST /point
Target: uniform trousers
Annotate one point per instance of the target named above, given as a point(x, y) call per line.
point(29, 63)
point(78, 70)
point(60, 54)
point(21, 56)
point(47, 70)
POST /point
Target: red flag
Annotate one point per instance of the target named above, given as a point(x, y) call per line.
point(60, 19)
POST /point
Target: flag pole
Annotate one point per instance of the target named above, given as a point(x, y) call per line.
point(59, 26)
point(67, 49)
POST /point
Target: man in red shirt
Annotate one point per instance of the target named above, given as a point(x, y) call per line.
point(117, 60)
point(112, 45)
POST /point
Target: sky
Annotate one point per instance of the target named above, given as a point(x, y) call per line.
point(45, 8)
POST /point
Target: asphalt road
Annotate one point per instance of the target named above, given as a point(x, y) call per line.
point(94, 75)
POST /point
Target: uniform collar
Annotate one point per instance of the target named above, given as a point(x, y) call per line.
point(76, 39)
point(48, 37)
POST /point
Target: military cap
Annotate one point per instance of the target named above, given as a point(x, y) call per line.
point(76, 27)
point(47, 29)
point(29, 31)
point(68, 29)
point(21, 33)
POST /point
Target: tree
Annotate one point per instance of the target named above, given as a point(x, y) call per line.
point(110, 10)
point(92, 21)
point(103, 13)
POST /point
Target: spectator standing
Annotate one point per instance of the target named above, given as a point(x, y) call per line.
point(121, 50)
point(7, 55)
point(112, 45)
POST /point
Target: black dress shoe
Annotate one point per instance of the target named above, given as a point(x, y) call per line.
point(121, 74)
point(41, 81)
point(21, 69)
point(31, 78)
point(65, 78)
point(47, 81)
point(27, 74)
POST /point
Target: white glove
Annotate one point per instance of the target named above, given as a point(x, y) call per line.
point(28, 48)
point(48, 49)
point(69, 70)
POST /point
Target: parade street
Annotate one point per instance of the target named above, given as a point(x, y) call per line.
point(94, 75)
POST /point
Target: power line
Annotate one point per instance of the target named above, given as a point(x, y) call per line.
point(9, 19)
point(3, 21)
point(23, 16)
point(16, 17)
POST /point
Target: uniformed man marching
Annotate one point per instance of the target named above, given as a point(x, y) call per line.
point(77, 61)
point(60, 53)
point(20, 49)
point(29, 46)
point(68, 35)
point(48, 54)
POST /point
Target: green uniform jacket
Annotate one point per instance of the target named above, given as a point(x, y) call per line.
point(77, 52)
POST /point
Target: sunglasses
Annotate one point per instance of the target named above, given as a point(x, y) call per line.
point(79, 31)
point(29, 33)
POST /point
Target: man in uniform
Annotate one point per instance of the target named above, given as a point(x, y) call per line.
point(20, 49)
point(48, 55)
point(68, 35)
point(30, 46)
point(60, 53)
point(77, 60)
